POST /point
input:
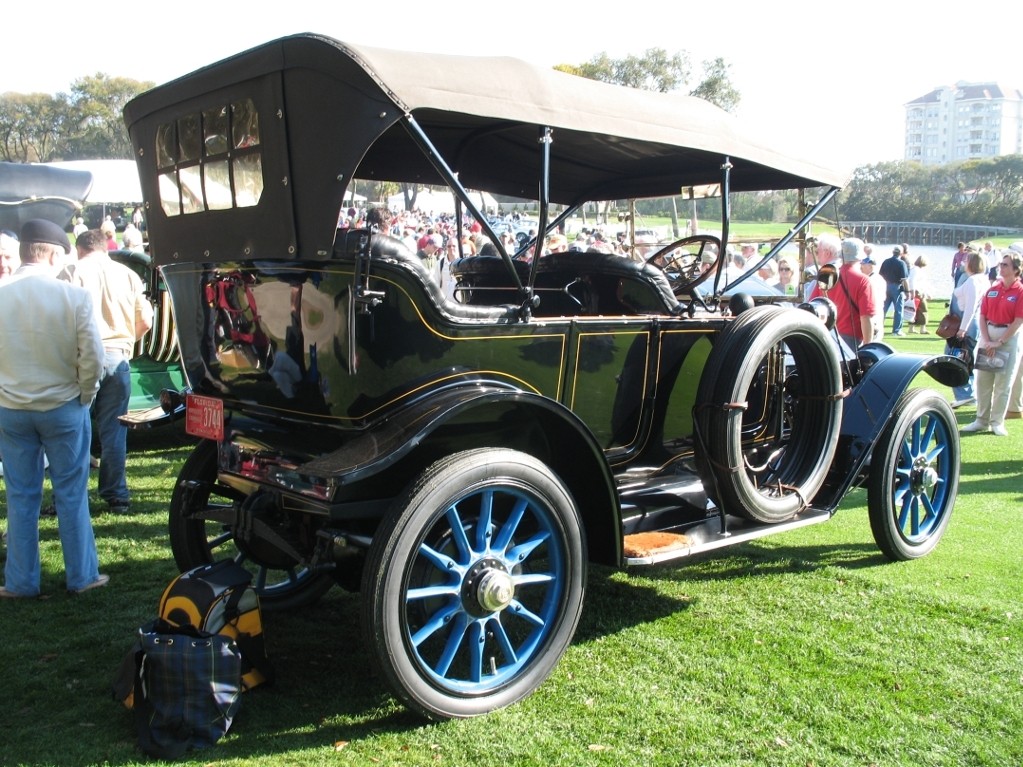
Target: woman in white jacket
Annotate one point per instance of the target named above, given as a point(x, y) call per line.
point(966, 298)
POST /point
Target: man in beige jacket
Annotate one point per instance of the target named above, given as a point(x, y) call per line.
point(124, 314)
point(51, 360)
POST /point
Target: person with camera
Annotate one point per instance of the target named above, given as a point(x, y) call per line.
point(1001, 315)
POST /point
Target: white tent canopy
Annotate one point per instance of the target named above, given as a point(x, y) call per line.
point(429, 201)
point(113, 181)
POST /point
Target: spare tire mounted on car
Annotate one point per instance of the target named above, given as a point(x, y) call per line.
point(773, 373)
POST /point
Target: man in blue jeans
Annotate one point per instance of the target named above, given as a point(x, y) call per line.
point(51, 359)
point(124, 314)
point(895, 272)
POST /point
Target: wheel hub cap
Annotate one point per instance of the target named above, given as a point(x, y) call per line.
point(924, 478)
point(488, 587)
point(495, 591)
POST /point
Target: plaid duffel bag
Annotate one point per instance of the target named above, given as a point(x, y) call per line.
point(186, 688)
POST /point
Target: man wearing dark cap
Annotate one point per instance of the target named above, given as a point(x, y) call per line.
point(51, 360)
point(880, 288)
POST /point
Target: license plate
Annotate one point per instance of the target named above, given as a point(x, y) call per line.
point(204, 417)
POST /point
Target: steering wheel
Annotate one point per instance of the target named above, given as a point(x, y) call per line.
point(681, 261)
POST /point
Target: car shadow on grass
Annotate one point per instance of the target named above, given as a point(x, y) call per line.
point(758, 558)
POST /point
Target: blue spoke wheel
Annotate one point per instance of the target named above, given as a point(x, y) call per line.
point(914, 476)
point(474, 583)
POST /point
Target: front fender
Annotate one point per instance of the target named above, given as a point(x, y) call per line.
point(946, 370)
point(868, 409)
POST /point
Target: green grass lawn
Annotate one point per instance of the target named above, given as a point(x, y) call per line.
point(807, 648)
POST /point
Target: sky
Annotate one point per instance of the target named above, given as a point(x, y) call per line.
point(827, 79)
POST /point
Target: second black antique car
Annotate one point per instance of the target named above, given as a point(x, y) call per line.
point(460, 461)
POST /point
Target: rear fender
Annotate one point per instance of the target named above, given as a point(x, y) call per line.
point(869, 407)
point(464, 417)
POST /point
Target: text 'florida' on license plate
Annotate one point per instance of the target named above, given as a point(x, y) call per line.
point(204, 417)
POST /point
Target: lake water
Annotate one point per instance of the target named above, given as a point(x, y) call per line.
point(939, 264)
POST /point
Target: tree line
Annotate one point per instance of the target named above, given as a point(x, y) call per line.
point(83, 124)
point(986, 192)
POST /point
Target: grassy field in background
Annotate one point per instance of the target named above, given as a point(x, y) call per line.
point(807, 648)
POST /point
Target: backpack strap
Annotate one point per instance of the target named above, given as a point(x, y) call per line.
point(253, 650)
point(234, 598)
point(123, 687)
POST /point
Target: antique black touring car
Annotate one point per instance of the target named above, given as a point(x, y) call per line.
point(461, 460)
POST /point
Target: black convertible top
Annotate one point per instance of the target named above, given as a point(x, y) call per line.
point(330, 111)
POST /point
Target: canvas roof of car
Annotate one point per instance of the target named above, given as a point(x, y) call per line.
point(343, 110)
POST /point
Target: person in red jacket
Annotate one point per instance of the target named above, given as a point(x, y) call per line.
point(853, 297)
point(1001, 315)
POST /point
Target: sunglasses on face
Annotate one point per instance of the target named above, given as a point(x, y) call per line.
point(784, 269)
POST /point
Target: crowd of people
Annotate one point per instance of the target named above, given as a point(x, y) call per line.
point(71, 323)
point(438, 240)
point(987, 299)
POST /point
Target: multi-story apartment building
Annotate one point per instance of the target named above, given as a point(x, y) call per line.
point(963, 122)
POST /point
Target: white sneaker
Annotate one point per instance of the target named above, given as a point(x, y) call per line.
point(999, 430)
point(976, 426)
point(99, 583)
point(964, 401)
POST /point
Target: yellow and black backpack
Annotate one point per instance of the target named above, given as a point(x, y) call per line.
point(219, 599)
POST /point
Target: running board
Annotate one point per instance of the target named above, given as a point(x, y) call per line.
point(651, 548)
